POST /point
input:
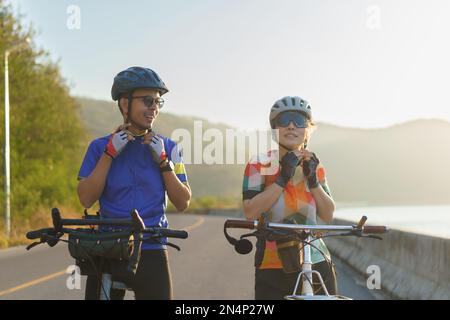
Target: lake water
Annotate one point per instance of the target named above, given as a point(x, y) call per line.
point(429, 220)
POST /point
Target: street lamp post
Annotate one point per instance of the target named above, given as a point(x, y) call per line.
point(6, 154)
point(16, 47)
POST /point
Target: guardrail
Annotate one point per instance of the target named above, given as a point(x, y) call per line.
point(412, 266)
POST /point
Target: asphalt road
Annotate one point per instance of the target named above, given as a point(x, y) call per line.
point(206, 268)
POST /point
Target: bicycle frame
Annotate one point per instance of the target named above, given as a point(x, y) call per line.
point(307, 274)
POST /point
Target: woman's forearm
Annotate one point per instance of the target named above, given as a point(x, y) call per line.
point(265, 200)
point(262, 202)
point(91, 188)
point(325, 204)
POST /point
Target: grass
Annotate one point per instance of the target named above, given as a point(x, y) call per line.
point(210, 202)
point(40, 219)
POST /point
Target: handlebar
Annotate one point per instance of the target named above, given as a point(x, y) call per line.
point(135, 224)
point(162, 232)
point(36, 234)
point(241, 224)
point(169, 233)
point(253, 224)
point(271, 231)
point(375, 229)
point(135, 221)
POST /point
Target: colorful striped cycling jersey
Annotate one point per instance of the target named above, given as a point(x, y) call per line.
point(295, 205)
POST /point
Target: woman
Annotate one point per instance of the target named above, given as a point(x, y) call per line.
point(295, 191)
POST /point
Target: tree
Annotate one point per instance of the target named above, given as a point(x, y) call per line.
point(47, 138)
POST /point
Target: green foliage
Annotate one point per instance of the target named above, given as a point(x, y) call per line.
point(205, 203)
point(47, 139)
point(99, 117)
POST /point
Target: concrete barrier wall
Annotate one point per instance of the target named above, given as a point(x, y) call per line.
point(412, 266)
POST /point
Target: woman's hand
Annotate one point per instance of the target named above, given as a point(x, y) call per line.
point(288, 163)
point(309, 164)
point(324, 202)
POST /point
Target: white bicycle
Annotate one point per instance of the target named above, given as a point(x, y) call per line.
point(306, 234)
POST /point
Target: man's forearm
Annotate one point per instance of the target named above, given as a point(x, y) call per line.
point(178, 192)
point(91, 188)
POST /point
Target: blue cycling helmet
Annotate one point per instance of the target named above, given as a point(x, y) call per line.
point(136, 78)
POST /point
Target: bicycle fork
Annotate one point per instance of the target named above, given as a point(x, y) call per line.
point(105, 288)
point(108, 284)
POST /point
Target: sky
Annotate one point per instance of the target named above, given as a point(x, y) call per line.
point(359, 63)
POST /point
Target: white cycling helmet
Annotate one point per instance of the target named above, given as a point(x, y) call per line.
point(290, 104)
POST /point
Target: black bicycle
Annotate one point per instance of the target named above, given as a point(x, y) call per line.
point(111, 255)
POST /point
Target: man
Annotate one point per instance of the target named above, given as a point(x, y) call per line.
point(134, 168)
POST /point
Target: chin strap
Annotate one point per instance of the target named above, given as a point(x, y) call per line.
point(130, 121)
point(134, 135)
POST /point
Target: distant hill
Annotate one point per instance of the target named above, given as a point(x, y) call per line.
point(101, 117)
point(402, 164)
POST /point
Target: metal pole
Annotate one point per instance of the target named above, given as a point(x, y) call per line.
point(307, 288)
point(7, 152)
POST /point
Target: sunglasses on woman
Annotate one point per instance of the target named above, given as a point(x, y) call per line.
point(299, 120)
point(149, 101)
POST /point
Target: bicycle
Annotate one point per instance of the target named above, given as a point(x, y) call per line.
point(305, 234)
point(111, 255)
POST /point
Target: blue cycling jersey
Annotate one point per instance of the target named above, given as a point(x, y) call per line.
point(134, 181)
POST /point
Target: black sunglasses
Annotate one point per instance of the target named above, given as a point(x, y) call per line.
point(149, 101)
point(299, 120)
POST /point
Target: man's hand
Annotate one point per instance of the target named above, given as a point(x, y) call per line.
point(156, 145)
point(117, 142)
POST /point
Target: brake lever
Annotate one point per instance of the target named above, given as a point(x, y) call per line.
point(45, 238)
point(51, 243)
point(358, 233)
point(51, 240)
point(34, 244)
point(373, 237)
point(173, 246)
point(349, 234)
point(157, 239)
point(247, 235)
